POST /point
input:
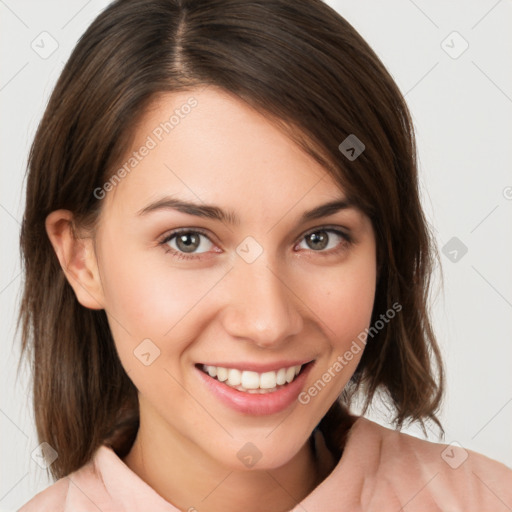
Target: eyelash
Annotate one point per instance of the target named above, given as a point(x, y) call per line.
point(347, 241)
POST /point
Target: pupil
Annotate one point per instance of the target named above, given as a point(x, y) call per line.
point(319, 240)
point(187, 246)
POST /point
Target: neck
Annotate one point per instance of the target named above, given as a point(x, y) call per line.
point(189, 479)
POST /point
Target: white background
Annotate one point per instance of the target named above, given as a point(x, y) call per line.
point(462, 110)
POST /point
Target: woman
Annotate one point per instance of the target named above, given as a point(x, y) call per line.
point(224, 248)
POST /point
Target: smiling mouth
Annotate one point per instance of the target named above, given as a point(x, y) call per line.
point(253, 382)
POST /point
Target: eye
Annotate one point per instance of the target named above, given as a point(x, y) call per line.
point(321, 240)
point(187, 243)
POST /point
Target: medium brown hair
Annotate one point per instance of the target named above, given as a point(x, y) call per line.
point(308, 70)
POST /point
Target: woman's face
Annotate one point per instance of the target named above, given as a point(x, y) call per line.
point(254, 285)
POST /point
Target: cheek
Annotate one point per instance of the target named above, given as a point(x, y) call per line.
point(146, 294)
point(351, 309)
point(147, 298)
point(344, 305)
point(342, 299)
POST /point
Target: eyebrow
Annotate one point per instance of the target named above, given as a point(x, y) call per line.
point(230, 217)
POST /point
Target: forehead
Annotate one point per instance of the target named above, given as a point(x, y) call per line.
point(209, 146)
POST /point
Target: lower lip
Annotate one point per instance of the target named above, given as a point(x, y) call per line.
point(253, 403)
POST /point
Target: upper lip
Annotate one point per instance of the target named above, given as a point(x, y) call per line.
point(259, 367)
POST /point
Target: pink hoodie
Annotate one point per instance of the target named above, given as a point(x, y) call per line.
point(381, 470)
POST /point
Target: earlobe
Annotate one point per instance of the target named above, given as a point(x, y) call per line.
point(77, 258)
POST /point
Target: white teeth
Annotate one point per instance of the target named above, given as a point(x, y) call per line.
point(281, 377)
point(222, 374)
point(253, 382)
point(290, 374)
point(234, 377)
point(250, 380)
point(268, 380)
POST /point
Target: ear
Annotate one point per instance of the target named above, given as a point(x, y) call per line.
point(77, 259)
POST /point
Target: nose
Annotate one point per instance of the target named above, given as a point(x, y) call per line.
point(261, 306)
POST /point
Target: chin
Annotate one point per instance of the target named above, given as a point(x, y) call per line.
point(259, 454)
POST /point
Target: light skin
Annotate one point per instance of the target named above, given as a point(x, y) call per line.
point(296, 300)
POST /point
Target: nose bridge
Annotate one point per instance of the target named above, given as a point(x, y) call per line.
point(260, 306)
